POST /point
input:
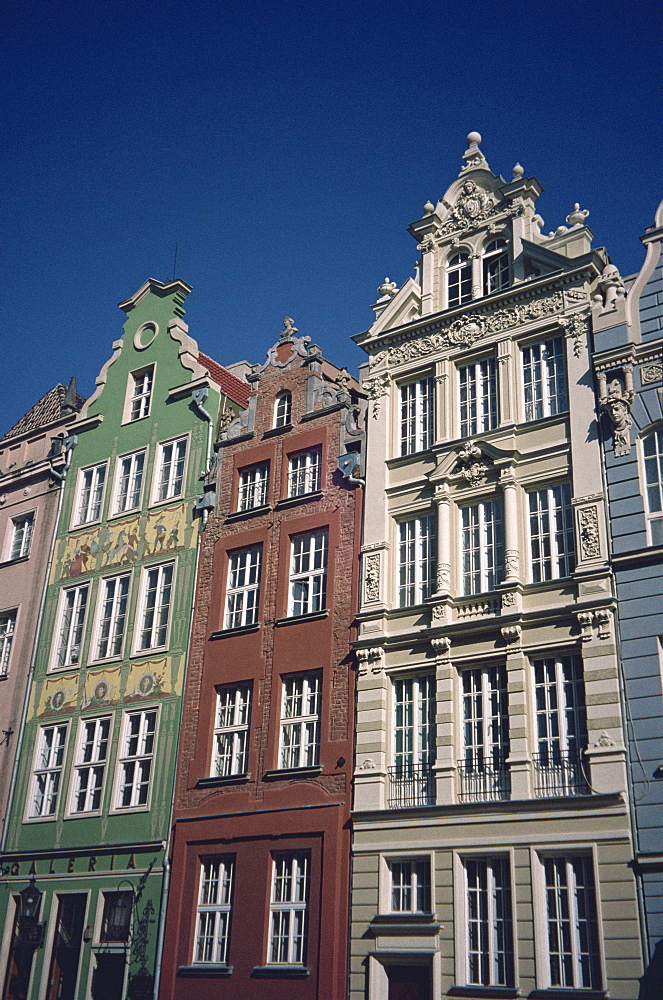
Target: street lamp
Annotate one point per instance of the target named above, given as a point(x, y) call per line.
point(30, 930)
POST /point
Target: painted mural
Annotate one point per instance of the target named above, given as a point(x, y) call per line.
point(102, 688)
point(147, 679)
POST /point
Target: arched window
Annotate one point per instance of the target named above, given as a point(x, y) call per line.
point(459, 279)
point(495, 266)
point(652, 451)
point(282, 409)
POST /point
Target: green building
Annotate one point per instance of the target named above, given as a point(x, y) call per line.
point(90, 811)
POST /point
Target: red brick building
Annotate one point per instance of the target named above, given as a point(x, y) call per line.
point(258, 902)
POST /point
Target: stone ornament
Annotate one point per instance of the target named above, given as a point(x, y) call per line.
point(605, 741)
point(443, 578)
point(578, 216)
point(610, 289)
point(584, 619)
point(590, 543)
point(299, 347)
point(369, 656)
point(473, 158)
point(441, 645)
point(511, 634)
point(576, 328)
point(473, 468)
point(603, 621)
point(372, 578)
point(509, 599)
point(511, 564)
point(376, 387)
point(368, 765)
point(652, 373)
point(615, 400)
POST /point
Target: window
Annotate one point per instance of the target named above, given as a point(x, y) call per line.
point(90, 765)
point(417, 552)
point(411, 778)
point(551, 533)
point(652, 450)
point(90, 494)
point(112, 617)
point(288, 909)
point(495, 266)
point(140, 388)
point(459, 279)
point(243, 592)
point(231, 731)
point(214, 906)
point(170, 469)
point(489, 934)
point(135, 763)
point(561, 727)
point(116, 921)
point(21, 536)
point(544, 378)
point(308, 573)
point(300, 721)
point(7, 629)
point(572, 926)
point(70, 630)
point(483, 773)
point(304, 472)
point(283, 409)
point(129, 482)
point(416, 416)
point(48, 770)
point(156, 602)
point(482, 546)
point(253, 487)
point(410, 886)
point(478, 397)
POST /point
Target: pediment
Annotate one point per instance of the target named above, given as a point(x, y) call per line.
point(403, 308)
point(471, 463)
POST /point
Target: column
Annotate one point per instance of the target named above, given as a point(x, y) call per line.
point(443, 588)
point(511, 535)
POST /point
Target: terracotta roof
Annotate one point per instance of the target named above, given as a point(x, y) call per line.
point(48, 409)
point(233, 387)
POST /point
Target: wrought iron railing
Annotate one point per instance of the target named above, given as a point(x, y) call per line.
point(411, 785)
point(559, 773)
point(483, 781)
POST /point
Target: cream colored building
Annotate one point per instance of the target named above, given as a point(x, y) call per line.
point(491, 823)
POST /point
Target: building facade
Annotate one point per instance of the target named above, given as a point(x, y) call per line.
point(491, 824)
point(90, 814)
point(258, 902)
point(628, 360)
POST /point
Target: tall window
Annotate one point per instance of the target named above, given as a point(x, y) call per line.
point(304, 472)
point(417, 550)
point(140, 392)
point(90, 494)
point(231, 731)
point(253, 486)
point(572, 939)
point(495, 266)
point(135, 760)
point(411, 777)
point(214, 908)
point(21, 536)
point(49, 759)
point(489, 942)
point(561, 726)
point(300, 721)
point(112, 616)
point(308, 573)
point(155, 603)
point(7, 629)
point(544, 379)
point(128, 482)
point(243, 591)
point(478, 397)
point(652, 450)
point(485, 735)
point(170, 469)
point(482, 546)
point(417, 416)
point(410, 886)
point(283, 409)
point(459, 279)
point(70, 629)
point(288, 909)
point(551, 533)
point(90, 765)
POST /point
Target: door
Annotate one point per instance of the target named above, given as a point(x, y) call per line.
point(409, 982)
point(66, 954)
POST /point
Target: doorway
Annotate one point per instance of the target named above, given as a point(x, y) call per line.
point(409, 982)
point(66, 953)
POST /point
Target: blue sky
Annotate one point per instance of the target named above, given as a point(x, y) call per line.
point(285, 147)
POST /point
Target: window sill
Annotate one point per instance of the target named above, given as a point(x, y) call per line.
point(568, 993)
point(203, 971)
point(496, 992)
point(283, 773)
point(241, 515)
point(302, 498)
point(314, 616)
point(274, 431)
point(13, 562)
point(281, 971)
point(231, 779)
point(238, 630)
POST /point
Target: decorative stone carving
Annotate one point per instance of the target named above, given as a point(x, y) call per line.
point(439, 612)
point(427, 244)
point(509, 599)
point(615, 400)
point(299, 347)
point(576, 327)
point(376, 387)
point(605, 741)
point(578, 216)
point(387, 289)
point(473, 203)
point(368, 765)
point(603, 621)
point(369, 656)
point(441, 645)
point(372, 579)
point(511, 564)
point(610, 288)
point(443, 578)
point(473, 158)
point(511, 634)
point(362, 661)
point(590, 542)
point(652, 373)
point(473, 468)
point(584, 619)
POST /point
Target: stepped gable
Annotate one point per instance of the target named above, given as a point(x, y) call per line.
point(233, 387)
point(48, 408)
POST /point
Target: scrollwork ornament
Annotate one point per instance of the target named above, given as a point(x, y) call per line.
point(473, 468)
point(652, 373)
point(590, 543)
point(576, 328)
point(376, 387)
point(372, 579)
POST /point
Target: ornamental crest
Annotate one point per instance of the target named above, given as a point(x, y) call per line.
point(472, 466)
point(472, 203)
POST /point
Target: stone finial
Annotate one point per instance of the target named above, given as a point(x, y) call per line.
point(473, 158)
point(577, 216)
point(429, 208)
point(387, 289)
point(518, 172)
point(610, 288)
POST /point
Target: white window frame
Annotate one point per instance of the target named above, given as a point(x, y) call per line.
point(48, 765)
point(283, 409)
point(496, 265)
point(560, 714)
point(301, 706)
point(90, 765)
point(170, 469)
point(8, 620)
point(70, 629)
point(481, 546)
point(111, 616)
point(485, 928)
point(414, 739)
point(232, 720)
point(21, 535)
point(458, 270)
point(416, 415)
point(417, 559)
point(478, 397)
point(135, 769)
point(243, 587)
point(253, 490)
point(652, 482)
point(155, 613)
point(552, 553)
point(214, 911)
point(304, 472)
point(485, 731)
point(140, 389)
point(89, 500)
point(288, 909)
point(409, 884)
point(131, 467)
point(543, 366)
point(307, 588)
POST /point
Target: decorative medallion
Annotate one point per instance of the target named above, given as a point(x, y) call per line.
point(652, 373)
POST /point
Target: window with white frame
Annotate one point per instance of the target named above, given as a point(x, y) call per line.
point(69, 633)
point(111, 616)
point(213, 912)
point(417, 409)
point(89, 494)
point(489, 957)
point(411, 777)
point(459, 279)
point(128, 482)
point(289, 909)
point(652, 453)
point(22, 535)
point(300, 721)
point(495, 265)
point(140, 392)
point(544, 379)
point(231, 730)
point(483, 774)
point(410, 885)
point(283, 409)
point(135, 759)
point(417, 557)
point(561, 726)
point(308, 573)
point(243, 590)
point(171, 459)
point(477, 384)
point(90, 764)
point(253, 487)
point(304, 472)
point(572, 937)
point(7, 630)
point(482, 546)
point(47, 773)
point(156, 600)
point(552, 539)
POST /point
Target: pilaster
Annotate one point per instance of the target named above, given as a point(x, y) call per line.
point(519, 760)
point(445, 762)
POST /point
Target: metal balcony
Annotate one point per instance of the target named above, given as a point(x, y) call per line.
point(483, 782)
point(411, 785)
point(559, 773)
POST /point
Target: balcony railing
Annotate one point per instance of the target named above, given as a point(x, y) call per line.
point(483, 782)
point(559, 773)
point(411, 785)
